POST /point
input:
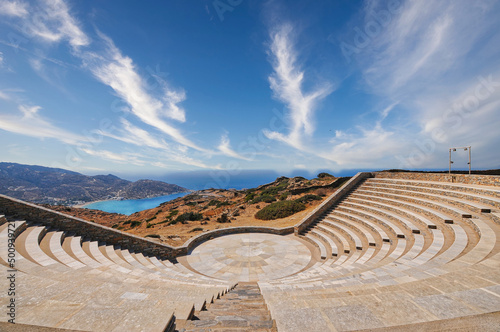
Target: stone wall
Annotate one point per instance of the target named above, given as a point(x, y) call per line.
point(89, 230)
point(330, 201)
point(485, 180)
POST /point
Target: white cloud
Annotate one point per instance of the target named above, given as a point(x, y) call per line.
point(115, 157)
point(54, 23)
point(428, 59)
point(225, 148)
point(366, 148)
point(13, 8)
point(286, 83)
point(31, 123)
point(134, 135)
point(119, 72)
point(4, 96)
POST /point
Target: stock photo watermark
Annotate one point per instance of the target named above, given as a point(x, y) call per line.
point(365, 35)
point(223, 6)
point(11, 271)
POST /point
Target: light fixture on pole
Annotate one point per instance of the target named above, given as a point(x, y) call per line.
point(466, 148)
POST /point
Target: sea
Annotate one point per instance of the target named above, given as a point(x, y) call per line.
point(130, 206)
point(199, 180)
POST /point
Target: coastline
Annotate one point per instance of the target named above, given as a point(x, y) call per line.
point(83, 206)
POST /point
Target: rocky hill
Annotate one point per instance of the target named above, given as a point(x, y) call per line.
point(281, 203)
point(57, 186)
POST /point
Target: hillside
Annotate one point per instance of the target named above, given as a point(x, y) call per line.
point(176, 221)
point(56, 186)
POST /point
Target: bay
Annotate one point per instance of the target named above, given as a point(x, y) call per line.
point(129, 206)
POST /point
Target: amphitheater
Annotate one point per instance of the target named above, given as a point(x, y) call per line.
point(385, 252)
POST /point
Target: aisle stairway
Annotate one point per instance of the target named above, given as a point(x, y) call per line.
point(242, 309)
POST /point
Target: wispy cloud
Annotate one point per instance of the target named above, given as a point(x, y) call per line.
point(30, 123)
point(122, 157)
point(162, 150)
point(4, 96)
point(428, 59)
point(105, 61)
point(225, 148)
point(134, 135)
point(55, 23)
point(365, 148)
point(287, 85)
point(13, 8)
point(51, 23)
point(119, 72)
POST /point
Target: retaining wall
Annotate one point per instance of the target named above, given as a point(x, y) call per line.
point(88, 230)
point(95, 232)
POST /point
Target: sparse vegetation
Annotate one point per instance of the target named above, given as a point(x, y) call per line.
point(222, 204)
point(189, 216)
point(263, 198)
point(249, 196)
point(196, 229)
point(309, 198)
point(274, 190)
point(280, 209)
point(324, 175)
point(156, 236)
point(135, 223)
point(173, 213)
point(223, 219)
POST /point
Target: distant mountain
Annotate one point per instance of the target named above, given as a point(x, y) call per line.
point(47, 185)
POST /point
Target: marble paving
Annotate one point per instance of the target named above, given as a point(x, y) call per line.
point(250, 257)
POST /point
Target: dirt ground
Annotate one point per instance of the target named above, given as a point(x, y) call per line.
point(159, 224)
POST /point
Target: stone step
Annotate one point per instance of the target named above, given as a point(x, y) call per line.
point(242, 309)
point(469, 196)
point(27, 244)
point(51, 244)
point(446, 208)
point(460, 202)
point(318, 239)
point(6, 242)
point(480, 189)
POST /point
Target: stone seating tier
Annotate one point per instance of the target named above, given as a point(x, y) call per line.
point(388, 251)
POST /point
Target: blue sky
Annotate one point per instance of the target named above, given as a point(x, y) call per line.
point(152, 87)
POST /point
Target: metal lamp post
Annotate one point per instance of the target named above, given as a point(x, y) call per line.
point(466, 148)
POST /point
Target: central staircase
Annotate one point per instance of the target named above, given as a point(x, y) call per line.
point(242, 309)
